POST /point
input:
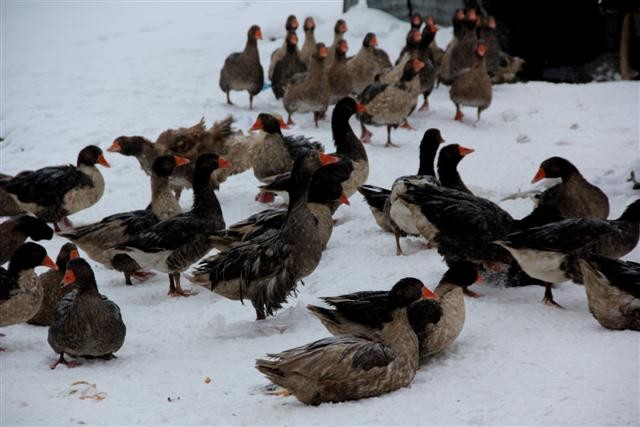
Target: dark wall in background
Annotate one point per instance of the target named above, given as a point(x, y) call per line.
point(560, 40)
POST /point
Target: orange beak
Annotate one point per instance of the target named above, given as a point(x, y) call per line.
point(69, 278)
point(103, 161)
point(538, 176)
point(322, 52)
point(374, 41)
point(257, 125)
point(344, 199)
point(259, 34)
point(326, 159)
point(479, 279)
point(482, 49)
point(464, 150)
point(294, 39)
point(223, 163)
point(417, 65)
point(115, 147)
point(343, 28)
point(283, 124)
point(48, 262)
point(181, 160)
point(428, 294)
point(417, 37)
point(361, 108)
point(74, 254)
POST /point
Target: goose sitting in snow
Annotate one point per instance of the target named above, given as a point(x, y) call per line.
point(613, 291)
point(87, 324)
point(349, 367)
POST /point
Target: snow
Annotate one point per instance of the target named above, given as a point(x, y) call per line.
point(84, 73)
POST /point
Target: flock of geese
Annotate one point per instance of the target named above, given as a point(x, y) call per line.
point(379, 338)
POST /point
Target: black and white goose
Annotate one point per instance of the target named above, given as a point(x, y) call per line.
point(550, 252)
point(172, 245)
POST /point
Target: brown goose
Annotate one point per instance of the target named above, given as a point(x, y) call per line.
point(99, 239)
point(242, 70)
point(350, 367)
point(425, 54)
point(415, 21)
point(462, 54)
point(472, 87)
point(87, 324)
point(266, 270)
point(340, 84)
point(338, 34)
point(487, 33)
point(613, 291)
point(291, 25)
point(437, 53)
point(55, 192)
point(20, 292)
point(550, 252)
point(190, 142)
point(574, 197)
point(52, 290)
point(309, 93)
point(309, 45)
point(390, 104)
point(15, 231)
point(364, 66)
point(444, 70)
point(172, 245)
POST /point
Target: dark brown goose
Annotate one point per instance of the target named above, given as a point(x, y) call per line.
point(87, 323)
point(290, 25)
point(55, 192)
point(309, 45)
point(487, 33)
point(266, 270)
point(289, 65)
point(20, 292)
point(444, 70)
point(574, 197)
point(15, 231)
point(52, 290)
point(350, 367)
point(364, 66)
point(242, 70)
point(338, 34)
point(462, 54)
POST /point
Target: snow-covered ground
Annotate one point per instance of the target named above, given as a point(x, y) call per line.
point(84, 73)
